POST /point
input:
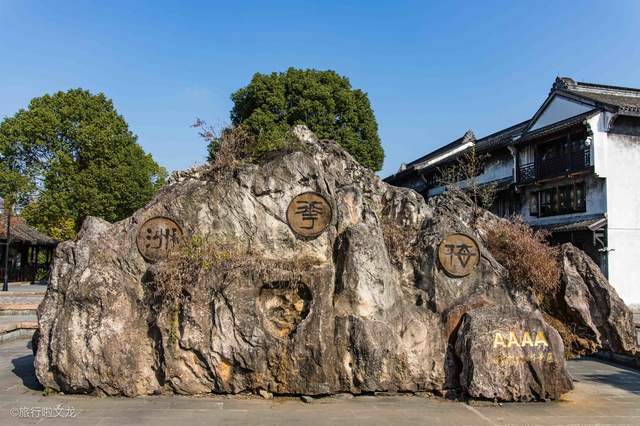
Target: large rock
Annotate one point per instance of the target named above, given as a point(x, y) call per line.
point(363, 307)
point(587, 302)
point(510, 354)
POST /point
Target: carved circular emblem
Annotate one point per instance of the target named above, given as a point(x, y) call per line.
point(458, 254)
point(156, 237)
point(309, 214)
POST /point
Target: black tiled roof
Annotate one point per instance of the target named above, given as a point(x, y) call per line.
point(626, 98)
point(502, 138)
point(577, 224)
point(20, 231)
point(615, 98)
point(490, 142)
point(468, 136)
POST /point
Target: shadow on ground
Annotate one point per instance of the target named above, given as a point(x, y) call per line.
point(23, 368)
point(622, 378)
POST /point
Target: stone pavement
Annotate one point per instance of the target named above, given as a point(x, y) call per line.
point(18, 310)
point(604, 394)
point(10, 323)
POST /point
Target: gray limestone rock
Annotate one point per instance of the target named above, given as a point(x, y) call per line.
point(592, 306)
point(265, 394)
point(510, 354)
point(364, 307)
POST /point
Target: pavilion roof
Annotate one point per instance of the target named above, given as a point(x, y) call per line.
point(22, 232)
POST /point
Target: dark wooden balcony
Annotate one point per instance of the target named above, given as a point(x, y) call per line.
point(562, 165)
point(547, 168)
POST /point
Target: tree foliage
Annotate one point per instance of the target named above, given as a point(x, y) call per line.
point(323, 100)
point(74, 156)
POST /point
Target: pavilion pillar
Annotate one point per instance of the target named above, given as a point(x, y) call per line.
point(36, 264)
point(5, 284)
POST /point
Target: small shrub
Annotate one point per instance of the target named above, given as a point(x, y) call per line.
point(216, 259)
point(228, 148)
point(49, 391)
point(275, 141)
point(395, 241)
point(400, 242)
point(530, 261)
point(186, 262)
point(232, 146)
point(574, 344)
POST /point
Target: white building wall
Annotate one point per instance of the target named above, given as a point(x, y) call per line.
point(623, 206)
point(599, 125)
point(560, 108)
point(617, 158)
point(496, 169)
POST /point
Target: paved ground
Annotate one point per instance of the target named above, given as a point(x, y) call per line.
point(38, 287)
point(18, 310)
point(604, 394)
point(21, 299)
point(9, 321)
point(20, 316)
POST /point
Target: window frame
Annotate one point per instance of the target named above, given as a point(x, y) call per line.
point(560, 200)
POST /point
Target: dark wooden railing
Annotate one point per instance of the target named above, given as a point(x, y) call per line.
point(527, 173)
point(543, 169)
point(558, 166)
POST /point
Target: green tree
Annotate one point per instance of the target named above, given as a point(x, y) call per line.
point(323, 100)
point(74, 156)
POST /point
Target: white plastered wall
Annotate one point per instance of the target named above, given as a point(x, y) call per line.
point(617, 158)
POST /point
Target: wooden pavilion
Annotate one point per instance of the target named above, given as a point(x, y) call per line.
point(30, 251)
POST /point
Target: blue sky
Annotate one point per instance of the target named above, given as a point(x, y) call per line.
point(432, 69)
